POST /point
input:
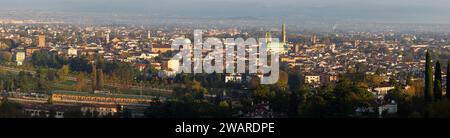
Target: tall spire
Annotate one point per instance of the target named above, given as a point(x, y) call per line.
point(268, 37)
point(314, 39)
point(107, 37)
point(149, 34)
point(283, 33)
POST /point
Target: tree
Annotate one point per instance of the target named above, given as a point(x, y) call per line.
point(283, 80)
point(5, 56)
point(447, 94)
point(50, 100)
point(294, 83)
point(197, 89)
point(262, 93)
point(94, 78)
point(42, 79)
point(224, 109)
point(52, 75)
point(408, 105)
point(190, 91)
point(63, 73)
point(125, 72)
point(344, 103)
point(294, 101)
point(100, 79)
point(25, 81)
point(279, 99)
point(152, 71)
point(9, 109)
point(254, 82)
point(294, 80)
point(81, 82)
point(47, 59)
point(79, 64)
point(8, 44)
point(437, 82)
point(7, 82)
point(428, 93)
point(416, 88)
point(376, 80)
point(342, 100)
point(224, 104)
point(380, 71)
point(439, 109)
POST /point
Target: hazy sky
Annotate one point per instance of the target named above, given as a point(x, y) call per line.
point(410, 11)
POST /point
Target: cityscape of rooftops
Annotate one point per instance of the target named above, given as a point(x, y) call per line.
point(114, 59)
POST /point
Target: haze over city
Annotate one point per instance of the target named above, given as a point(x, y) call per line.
point(380, 11)
point(225, 59)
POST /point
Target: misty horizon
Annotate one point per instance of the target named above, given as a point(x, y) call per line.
point(381, 11)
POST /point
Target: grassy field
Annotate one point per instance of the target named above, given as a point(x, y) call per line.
point(70, 86)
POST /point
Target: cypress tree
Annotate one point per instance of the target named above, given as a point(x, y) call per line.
point(447, 94)
point(428, 79)
point(94, 78)
point(437, 82)
point(100, 79)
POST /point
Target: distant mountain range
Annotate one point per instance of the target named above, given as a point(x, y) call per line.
point(398, 11)
point(298, 14)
